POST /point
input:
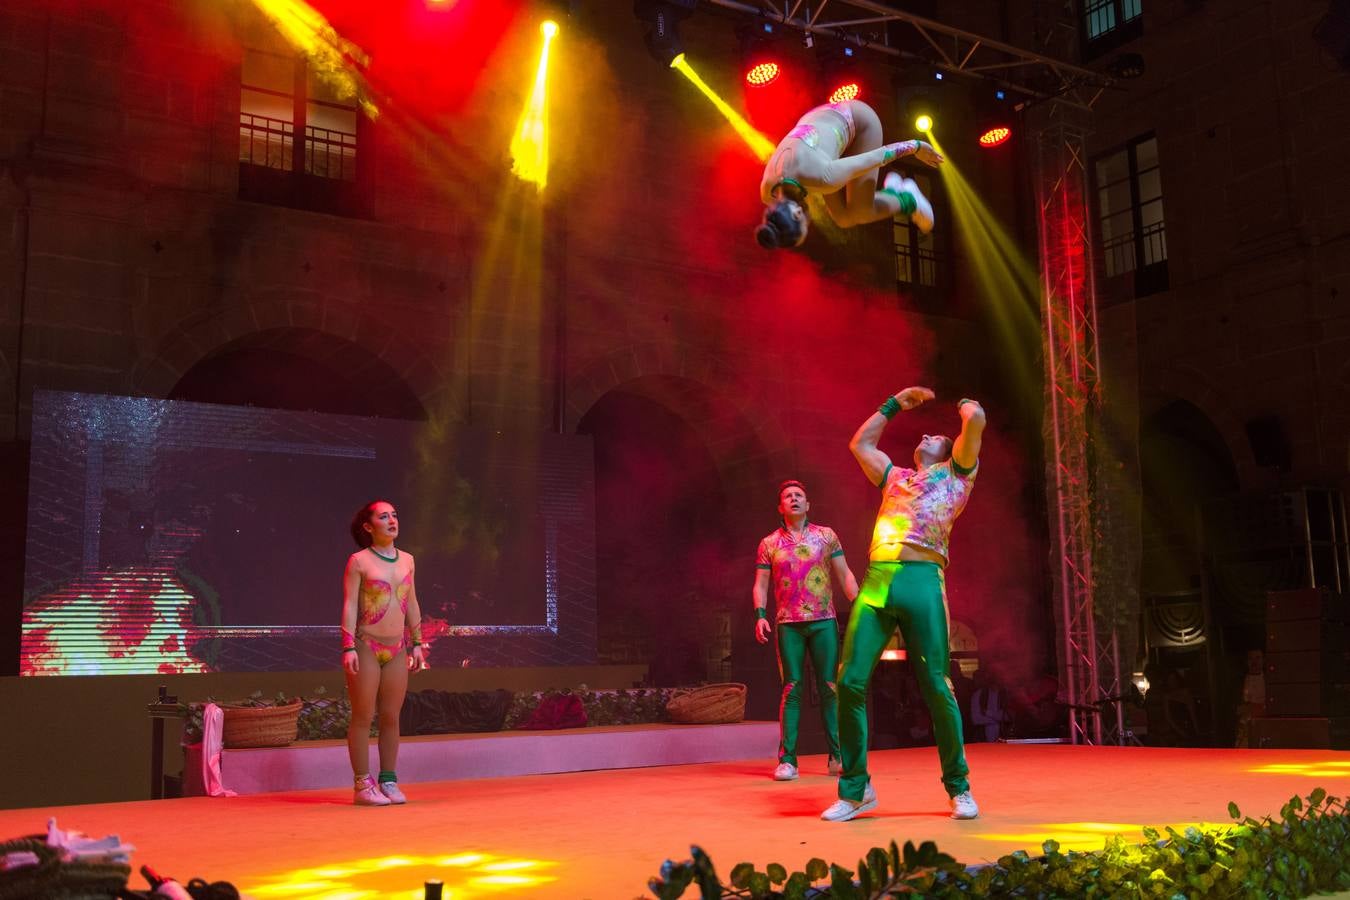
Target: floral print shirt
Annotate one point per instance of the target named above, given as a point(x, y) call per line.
point(918, 507)
point(800, 572)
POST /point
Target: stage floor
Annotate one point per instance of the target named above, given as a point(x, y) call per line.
point(602, 834)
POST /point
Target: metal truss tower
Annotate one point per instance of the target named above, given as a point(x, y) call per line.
point(1089, 655)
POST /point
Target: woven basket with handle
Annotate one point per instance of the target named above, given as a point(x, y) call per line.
point(712, 704)
point(260, 726)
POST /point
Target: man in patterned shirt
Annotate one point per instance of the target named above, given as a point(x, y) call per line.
point(798, 558)
point(905, 587)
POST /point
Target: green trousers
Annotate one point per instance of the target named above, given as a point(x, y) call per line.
point(795, 640)
point(913, 597)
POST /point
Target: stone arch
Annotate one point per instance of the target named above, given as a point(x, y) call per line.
point(257, 320)
point(1194, 387)
point(744, 440)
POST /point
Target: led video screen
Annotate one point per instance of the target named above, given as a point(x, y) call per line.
point(174, 537)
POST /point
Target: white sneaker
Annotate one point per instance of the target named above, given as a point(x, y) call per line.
point(923, 210)
point(366, 793)
point(390, 790)
point(834, 767)
point(785, 772)
point(842, 810)
point(964, 807)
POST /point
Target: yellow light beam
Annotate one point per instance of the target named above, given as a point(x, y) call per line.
point(1006, 279)
point(529, 145)
point(761, 146)
point(333, 58)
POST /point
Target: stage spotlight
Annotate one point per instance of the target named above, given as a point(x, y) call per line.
point(529, 145)
point(839, 71)
point(1126, 65)
point(849, 91)
point(917, 96)
point(992, 137)
point(994, 121)
point(663, 19)
point(759, 58)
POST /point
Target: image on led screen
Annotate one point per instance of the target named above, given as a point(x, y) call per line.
point(175, 537)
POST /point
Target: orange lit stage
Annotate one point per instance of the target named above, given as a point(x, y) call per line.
point(602, 834)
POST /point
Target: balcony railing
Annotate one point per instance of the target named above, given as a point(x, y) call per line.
point(915, 266)
point(270, 143)
point(266, 142)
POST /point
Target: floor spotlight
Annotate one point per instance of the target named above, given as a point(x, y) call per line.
point(923, 123)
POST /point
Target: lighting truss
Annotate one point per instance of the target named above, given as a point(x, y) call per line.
point(1088, 653)
point(1033, 75)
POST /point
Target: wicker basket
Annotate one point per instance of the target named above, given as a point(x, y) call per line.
point(712, 704)
point(260, 726)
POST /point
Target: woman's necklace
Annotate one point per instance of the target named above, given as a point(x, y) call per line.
point(387, 559)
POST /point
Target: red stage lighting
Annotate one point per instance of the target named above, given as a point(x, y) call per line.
point(992, 137)
point(847, 91)
point(762, 74)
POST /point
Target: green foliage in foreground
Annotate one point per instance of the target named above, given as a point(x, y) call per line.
point(1305, 850)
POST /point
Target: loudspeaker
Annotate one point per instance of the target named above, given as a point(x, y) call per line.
point(1270, 446)
point(1333, 31)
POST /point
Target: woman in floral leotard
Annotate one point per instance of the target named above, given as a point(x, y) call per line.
point(379, 603)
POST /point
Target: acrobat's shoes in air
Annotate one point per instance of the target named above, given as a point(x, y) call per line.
point(922, 214)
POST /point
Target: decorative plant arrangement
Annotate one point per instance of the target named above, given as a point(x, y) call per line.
point(1305, 850)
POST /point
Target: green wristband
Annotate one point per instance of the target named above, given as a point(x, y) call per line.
point(889, 408)
point(761, 612)
point(964, 400)
point(348, 649)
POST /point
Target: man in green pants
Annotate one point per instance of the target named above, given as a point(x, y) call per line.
point(798, 558)
point(905, 587)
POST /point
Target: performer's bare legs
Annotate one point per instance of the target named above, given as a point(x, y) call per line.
point(837, 151)
point(380, 614)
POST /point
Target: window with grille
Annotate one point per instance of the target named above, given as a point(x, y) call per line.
point(1130, 221)
point(1100, 17)
point(298, 140)
point(916, 257)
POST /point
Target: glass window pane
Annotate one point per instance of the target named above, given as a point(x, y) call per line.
point(1118, 258)
point(1117, 226)
point(1151, 213)
point(1114, 199)
point(1146, 155)
point(1150, 185)
point(269, 71)
point(1131, 9)
point(1100, 16)
point(1112, 168)
point(255, 103)
point(330, 119)
point(1155, 245)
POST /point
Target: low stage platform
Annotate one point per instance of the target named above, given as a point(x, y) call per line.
point(307, 765)
point(602, 834)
